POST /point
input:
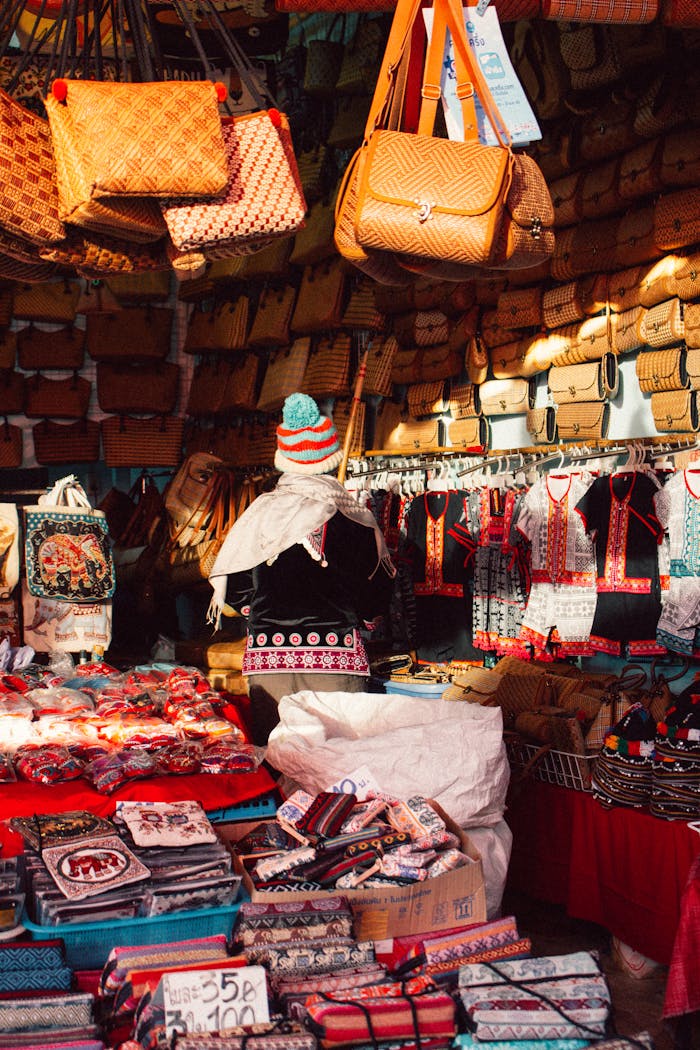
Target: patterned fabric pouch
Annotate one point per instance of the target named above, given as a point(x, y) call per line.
point(276, 922)
point(401, 1015)
point(326, 814)
point(46, 1011)
point(143, 956)
point(286, 1036)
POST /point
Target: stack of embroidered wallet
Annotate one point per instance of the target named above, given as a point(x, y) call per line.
point(276, 1036)
point(440, 955)
point(31, 966)
point(552, 997)
point(407, 1013)
point(47, 1017)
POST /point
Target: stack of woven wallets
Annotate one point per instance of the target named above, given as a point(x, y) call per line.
point(440, 955)
point(552, 997)
point(676, 776)
point(622, 772)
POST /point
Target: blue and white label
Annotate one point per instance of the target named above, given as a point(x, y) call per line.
point(486, 41)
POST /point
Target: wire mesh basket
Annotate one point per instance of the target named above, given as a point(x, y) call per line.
point(550, 766)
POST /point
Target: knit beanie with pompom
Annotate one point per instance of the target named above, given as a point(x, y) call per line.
point(307, 442)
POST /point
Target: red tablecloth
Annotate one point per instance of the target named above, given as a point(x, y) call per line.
point(620, 868)
point(683, 984)
point(213, 790)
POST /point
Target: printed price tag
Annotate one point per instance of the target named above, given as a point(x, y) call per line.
point(209, 1000)
point(358, 783)
point(486, 40)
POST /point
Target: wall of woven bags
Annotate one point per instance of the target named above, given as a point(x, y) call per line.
point(617, 104)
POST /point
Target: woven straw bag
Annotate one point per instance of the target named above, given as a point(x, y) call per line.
point(8, 349)
point(691, 318)
point(314, 241)
point(29, 199)
point(437, 362)
point(240, 388)
point(260, 444)
point(10, 445)
point(492, 333)
point(586, 248)
point(541, 424)
point(56, 443)
point(635, 11)
point(617, 291)
point(222, 328)
point(12, 392)
point(692, 367)
point(396, 433)
point(662, 370)
point(626, 337)
point(513, 359)
point(606, 131)
point(341, 417)
point(583, 421)
point(178, 151)
point(590, 340)
point(640, 171)
point(567, 200)
point(476, 360)
point(313, 166)
point(464, 400)
point(328, 369)
point(591, 54)
point(657, 282)
point(206, 388)
point(273, 315)
point(380, 359)
point(284, 373)
point(686, 279)
point(683, 13)
point(362, 58)
point(421, 328)
point(463, 328)
point(53, 302)
point(426, 399)
point(592, 381)
point(126, 388)
point(502, 397)
point(521, 308)
point(263, 198)
point(39, 349)
point(635, 237)
point(517, 693)
point(600, 194)
point(563, 304)
point(154, 442)
point(663, 325)
point(468, 434)
point(150, 287)
point(133, 333)
point(270, 261)
point(361, 311)
point(677, 219)
point(321, 299)
point(57, 398)
point(675, 411)
point(96, 254)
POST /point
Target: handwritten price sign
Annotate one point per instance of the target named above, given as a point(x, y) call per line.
point(209, 1000)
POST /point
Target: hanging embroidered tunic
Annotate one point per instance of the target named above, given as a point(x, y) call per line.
point(677, 506)
point(500, 572)
point(438, 542)
point(562, 599)
point(618, 513)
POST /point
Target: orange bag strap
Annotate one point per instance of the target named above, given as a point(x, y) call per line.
point(201, 512)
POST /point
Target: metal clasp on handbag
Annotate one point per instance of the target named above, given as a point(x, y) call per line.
point(536, 228)
point(425, 210)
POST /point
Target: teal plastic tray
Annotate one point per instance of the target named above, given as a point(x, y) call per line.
point(88, 944)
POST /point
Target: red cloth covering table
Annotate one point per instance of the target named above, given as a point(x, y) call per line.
point(620, 868)
point(683, 984)
point(213, 790)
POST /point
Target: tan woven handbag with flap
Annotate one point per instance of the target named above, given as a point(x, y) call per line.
point(380, 359)
point(541, 424)
point(675, 411)
point(626, 337)
point(563, 304)
point(583, 421)
point(503, 397)
point(686, 279)
point(691, 325)
point(677, 219)
point(468, 434)
point(426, 399)
point(656, 283)
point(663, 325)
point(692, 367)
point(464, 400)
point(514, 359)
point(662, 370)
point(520, 308)
point(592, 381)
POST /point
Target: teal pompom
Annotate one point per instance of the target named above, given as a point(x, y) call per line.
point(300, 412)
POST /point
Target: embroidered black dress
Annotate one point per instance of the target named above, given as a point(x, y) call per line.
point(618, 513)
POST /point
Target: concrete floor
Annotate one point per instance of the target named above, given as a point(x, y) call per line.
point(637, 1003)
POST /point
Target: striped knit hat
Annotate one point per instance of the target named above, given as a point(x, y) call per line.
point(307, 442)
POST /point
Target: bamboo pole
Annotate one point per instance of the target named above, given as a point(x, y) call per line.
point(356, 398)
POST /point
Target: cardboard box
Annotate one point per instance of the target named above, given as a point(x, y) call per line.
point(454, 899)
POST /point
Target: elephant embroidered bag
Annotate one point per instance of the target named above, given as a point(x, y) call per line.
point(68, 555)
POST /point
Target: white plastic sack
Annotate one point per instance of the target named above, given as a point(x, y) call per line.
point(451, 752)
point(494, 844)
